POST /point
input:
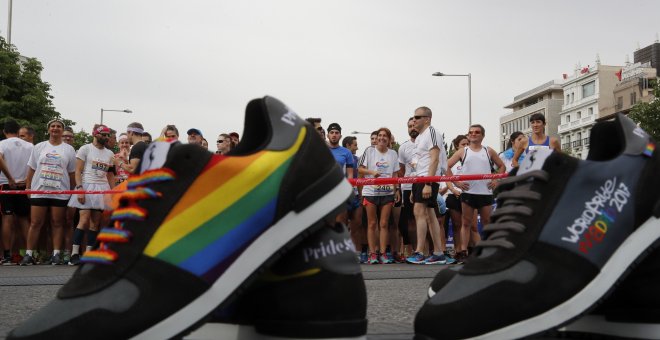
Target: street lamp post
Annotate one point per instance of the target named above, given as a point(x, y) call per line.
point(469, 76)
point(102, 110)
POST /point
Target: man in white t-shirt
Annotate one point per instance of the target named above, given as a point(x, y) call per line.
point(14, 154)
point(477, 195)
point(428, 161)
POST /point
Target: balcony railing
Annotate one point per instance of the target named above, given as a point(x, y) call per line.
point(576, 144)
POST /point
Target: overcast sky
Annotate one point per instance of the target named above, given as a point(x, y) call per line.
point(361, 63)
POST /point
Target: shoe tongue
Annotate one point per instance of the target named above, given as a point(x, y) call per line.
point(155, 155)
point(534, 161)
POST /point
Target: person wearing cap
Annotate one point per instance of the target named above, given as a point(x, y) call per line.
point(51, 167)
point(344, 158)
point(93, 172)
point(235, 138)
point(537, 140)
point(195, 136)
point(134, 131)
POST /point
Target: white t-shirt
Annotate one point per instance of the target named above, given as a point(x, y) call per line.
point(385, 163)
point(16, 153)
point(97, 163)
point(426, 141)
point(477, 162)
point(406, 154)
point(52, 165)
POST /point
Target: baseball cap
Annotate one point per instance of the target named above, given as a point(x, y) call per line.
point(234, 134)
point(334, 126)
point(197, 131)
point(101, 129)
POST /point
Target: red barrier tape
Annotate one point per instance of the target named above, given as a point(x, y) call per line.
point(353, 181)
point(58, 192)
point(425, 179)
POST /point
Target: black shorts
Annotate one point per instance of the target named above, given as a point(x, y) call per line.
point(476, 201)
point(432, 201)
point(48, 202)
point(406, 206)
point(378, 200)
point(18, 205)
point(454, 203)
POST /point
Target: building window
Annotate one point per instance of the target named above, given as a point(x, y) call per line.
point(619, 103)
point(590, 111)
point(589, 89)
point(633, 98)
point(568, 118)
point(572, 97)
point(579, 115)
point(568, 97)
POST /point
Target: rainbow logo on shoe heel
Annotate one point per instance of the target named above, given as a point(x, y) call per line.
point(650, 147)
point(230, 204)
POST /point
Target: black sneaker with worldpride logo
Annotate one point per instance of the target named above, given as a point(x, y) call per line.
point(564, 234)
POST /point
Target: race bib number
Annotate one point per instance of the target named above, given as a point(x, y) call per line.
point(386, 189)
point(51, 176)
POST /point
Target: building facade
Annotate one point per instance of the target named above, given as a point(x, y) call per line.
point(588, 94)
point(546, 99)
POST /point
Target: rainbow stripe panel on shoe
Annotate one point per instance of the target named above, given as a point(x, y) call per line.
point(564, 234)
point(195, 229)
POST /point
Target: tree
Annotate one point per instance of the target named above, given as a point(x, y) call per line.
point(24, 97)
point(647, 115)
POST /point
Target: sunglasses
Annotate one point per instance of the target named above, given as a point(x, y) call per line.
point(418, 117)
point(220, 141)
point(104, 134)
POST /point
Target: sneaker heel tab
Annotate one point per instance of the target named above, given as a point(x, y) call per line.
point(635, 139)
point(283, 124)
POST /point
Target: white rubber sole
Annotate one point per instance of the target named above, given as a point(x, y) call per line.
point(631, 248)
point(596, 324)
point(225, 331)
point(272, 240)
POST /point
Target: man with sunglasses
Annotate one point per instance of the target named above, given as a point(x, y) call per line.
point(93, 172)
point(475, 158)
point(223, 144)
point(429, 160)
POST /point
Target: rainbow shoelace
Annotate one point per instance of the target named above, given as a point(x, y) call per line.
point(137, 190)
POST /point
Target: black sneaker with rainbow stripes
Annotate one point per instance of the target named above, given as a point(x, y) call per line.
point(195, 229)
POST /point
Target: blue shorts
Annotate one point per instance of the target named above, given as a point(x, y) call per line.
point(353, 203)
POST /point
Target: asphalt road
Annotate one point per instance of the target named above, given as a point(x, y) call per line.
point(395, 293)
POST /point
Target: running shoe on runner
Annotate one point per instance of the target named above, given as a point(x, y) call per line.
point(315, 291)
point(373, 258)
point(386, 258)
point(416, 258)
point(194, 229)
point(435, 259)
point(564, 233)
